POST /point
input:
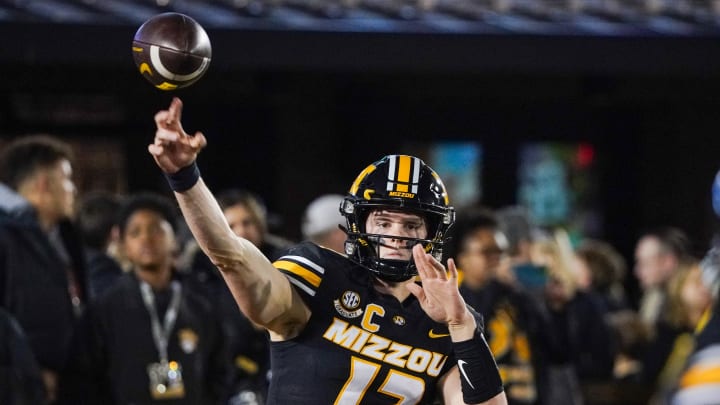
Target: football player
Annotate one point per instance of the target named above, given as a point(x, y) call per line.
point(358, 328)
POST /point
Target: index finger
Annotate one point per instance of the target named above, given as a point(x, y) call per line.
point(174, 112)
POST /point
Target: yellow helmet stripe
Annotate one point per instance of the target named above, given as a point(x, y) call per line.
point(399, 169)
point(404, 170)
point(360, 178)
point(300, 271)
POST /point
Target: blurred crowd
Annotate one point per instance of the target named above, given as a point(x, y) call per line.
point(95, 287)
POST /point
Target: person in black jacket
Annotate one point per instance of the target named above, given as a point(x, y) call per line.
point(150, 337)
point(20, 380)
point(517, 333)
point(41, 274)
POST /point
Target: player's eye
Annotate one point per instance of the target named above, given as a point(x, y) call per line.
point(382, 224)
point(413, 226)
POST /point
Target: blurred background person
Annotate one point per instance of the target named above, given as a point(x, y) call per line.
point(661, 255)
point(515, 330)
point(688, 300)
point(42, 273)
point(321, 222)
point(658, 254)
point(578, 321)
point(699, 382)
point(601, 269)
point(151, 338)
point(248, 218)
point(97, 222)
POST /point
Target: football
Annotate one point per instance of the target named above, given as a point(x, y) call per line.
point(171, 50)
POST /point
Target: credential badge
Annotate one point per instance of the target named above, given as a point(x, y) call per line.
point(348, 305)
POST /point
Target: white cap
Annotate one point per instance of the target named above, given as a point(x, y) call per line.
point(322, 215)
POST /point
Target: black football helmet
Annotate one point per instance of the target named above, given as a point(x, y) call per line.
point(395, 182)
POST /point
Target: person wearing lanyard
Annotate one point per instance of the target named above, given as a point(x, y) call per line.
point(152, 339)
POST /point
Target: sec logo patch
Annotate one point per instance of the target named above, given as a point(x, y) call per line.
point(348, 305)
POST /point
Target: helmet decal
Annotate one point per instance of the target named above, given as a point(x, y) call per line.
point(363, 174)
point(399, 179)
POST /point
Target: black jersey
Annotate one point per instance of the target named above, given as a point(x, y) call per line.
point(359, 346)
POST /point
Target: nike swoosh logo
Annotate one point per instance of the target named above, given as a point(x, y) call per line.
point(461, 363)
point(434, 335)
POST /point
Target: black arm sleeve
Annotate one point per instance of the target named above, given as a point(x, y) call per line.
point(479, 375)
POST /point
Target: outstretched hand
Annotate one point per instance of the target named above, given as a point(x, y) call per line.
point(439, 296)
point(173, 148)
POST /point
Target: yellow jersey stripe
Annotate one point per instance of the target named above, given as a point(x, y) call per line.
point(699, 374)
point(300, 271)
